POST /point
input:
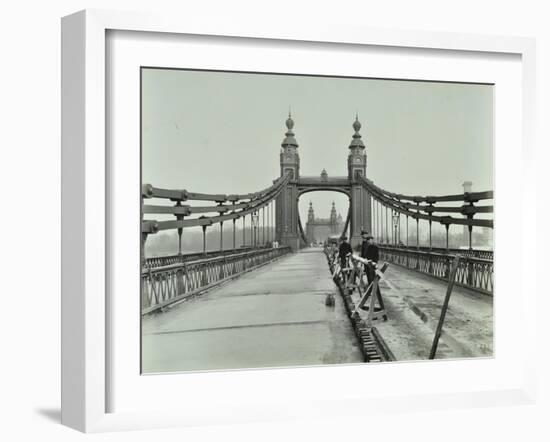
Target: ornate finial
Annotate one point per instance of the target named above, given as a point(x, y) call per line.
point(289, 121)
point(357, 124)
point(356, 141)
point(289, 140)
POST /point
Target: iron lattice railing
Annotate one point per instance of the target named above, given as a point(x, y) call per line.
point(473, 272)
point(162, 286)
point(160, 261)
point(474, 253)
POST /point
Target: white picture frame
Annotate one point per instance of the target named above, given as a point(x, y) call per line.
point(85, 236)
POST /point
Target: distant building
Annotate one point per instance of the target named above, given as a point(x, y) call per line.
point(319, 229)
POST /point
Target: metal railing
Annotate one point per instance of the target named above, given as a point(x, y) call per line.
point(162, 286)
point(473, 272)
point(160, 261)
point(474, 253)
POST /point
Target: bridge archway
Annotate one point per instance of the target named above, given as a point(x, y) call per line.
point(323, 213)
point(289, 228)
point(345, 191)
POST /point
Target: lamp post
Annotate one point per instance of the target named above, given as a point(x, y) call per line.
point(255, 219)
point(395, 219)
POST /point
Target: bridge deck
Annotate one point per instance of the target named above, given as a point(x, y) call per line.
point(414, 301)
point(274, 316)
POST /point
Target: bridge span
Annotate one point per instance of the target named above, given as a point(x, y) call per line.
point(276, 316)
point(259, 299)
point(270, 317)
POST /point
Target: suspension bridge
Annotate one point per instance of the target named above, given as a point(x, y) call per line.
point(262, 303)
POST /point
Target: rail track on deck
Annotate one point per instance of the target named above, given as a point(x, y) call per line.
point(372, 344)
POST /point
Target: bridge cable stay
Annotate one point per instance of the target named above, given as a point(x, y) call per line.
point(346, 224)
point(405, 208)
point(232, 211)
point(394, 202)
point(476, 266)
point(170, 279)
point(303, 237)
point(229, 207)
point(149, 191)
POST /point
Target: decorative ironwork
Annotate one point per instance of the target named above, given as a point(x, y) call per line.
point(474, 253)
point(410, 205)
point(255, 201)
point(473, 272)
point(170, 278)
point(162, 286)
point(160, 261)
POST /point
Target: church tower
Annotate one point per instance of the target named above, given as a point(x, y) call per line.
point(333, 220)
point(310, 226)
point(310, 213)
point(286, 205)
point(360, 198)
point(340, 225)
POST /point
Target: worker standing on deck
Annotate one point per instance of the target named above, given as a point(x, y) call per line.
point(369, 251)
point(343, 250)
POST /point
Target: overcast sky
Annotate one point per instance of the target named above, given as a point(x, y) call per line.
point(219, 132)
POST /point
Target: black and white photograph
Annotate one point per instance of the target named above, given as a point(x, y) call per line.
point(275, 221)
point(299, 220)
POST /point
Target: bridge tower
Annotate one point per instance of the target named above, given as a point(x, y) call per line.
point(286, 205)
point(360, 199)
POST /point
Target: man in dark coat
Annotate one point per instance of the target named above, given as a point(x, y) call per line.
point(344, 249)
point(369, 251)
